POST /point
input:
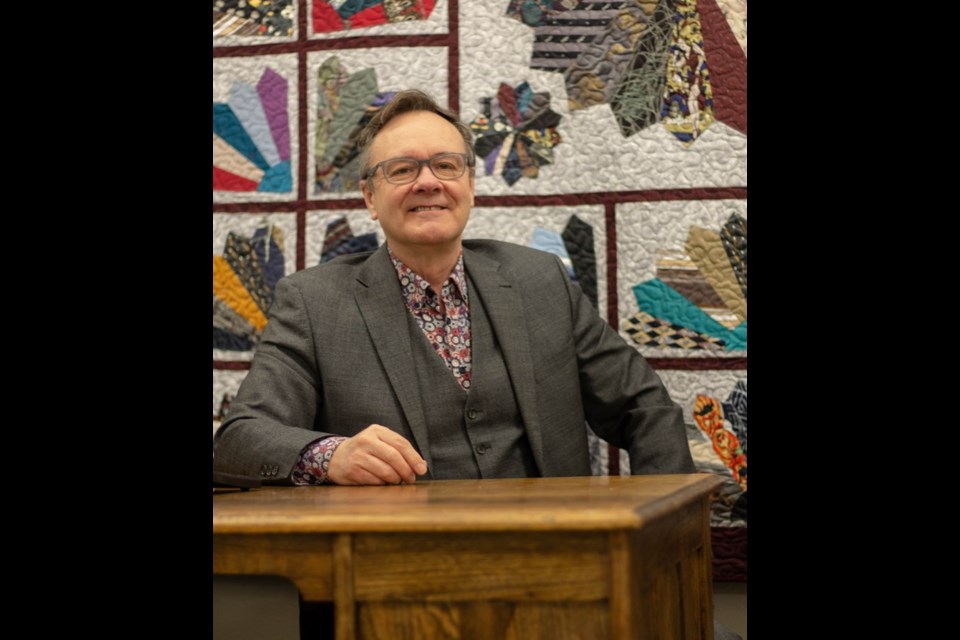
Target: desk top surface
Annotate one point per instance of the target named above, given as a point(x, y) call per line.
point(523, 504)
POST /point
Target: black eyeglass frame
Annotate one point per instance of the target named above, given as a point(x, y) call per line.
point(468, 158)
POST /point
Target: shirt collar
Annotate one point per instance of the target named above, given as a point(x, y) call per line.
point(457, 276)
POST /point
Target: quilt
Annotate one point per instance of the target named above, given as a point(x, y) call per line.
point(612, 133)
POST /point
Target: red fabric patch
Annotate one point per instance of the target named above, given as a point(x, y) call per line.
point(426, 7)
point(325, 18)
point(728, 67)
point(369, 17)
point(226, 181)
point(508, 103)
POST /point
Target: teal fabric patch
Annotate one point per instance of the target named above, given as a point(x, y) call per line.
point(350, 7)
point(661, 300)
point(740, 333)
point(277, 179)
point(228, 126)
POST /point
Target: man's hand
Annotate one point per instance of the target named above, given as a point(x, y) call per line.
point(376, 455)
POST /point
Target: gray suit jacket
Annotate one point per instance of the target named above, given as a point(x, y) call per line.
point(336, 357)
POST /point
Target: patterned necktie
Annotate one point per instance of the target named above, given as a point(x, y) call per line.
point(688, 96)
point(708, 415)
point(706, 248)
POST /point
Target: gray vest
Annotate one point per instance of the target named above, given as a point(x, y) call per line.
point(475, 434)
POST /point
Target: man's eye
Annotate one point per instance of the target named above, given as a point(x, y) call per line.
point(399, 171)
point(444, 166)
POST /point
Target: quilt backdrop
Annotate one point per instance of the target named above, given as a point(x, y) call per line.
point(611, 133)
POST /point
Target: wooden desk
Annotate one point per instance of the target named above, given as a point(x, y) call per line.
point(591, 557)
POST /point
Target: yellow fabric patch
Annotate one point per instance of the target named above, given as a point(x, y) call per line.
point(227, 287)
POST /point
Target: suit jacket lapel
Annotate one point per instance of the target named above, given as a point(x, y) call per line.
point(507, 314)
point(381, 305)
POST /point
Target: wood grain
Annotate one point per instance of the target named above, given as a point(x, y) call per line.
point(484, 621)
point(570, 620)
point(409, 621)
point(702, 567)
point(343, 591)
point(525, 559)
point(528, 504)
point(306, 559)
point(489, 566)
point(660, 544)
point(622, 586)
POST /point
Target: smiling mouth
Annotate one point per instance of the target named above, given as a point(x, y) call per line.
point(432, 207)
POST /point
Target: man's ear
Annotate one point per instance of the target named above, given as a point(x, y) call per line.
point(368, 199)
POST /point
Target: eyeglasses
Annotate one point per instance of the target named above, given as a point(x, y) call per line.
point(445, 166)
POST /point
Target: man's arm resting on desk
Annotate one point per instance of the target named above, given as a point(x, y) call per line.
point(313, 465)
point(376, 455)
point(272, 419)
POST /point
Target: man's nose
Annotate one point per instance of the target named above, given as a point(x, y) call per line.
point(426, 181)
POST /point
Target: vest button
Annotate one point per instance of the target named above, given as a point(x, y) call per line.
point(472, 414)
point(482, 448)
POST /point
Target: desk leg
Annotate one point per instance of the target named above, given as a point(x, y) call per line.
point(660, 583)
point(623, 584)
point(705, 569)
point(345, 605)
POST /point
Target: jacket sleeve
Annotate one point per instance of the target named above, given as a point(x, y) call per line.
point(272, 417)
point(624, 400)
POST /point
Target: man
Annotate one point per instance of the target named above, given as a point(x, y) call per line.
point(436, 357)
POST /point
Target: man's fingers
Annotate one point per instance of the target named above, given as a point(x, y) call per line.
point(388, 455)
point(352, 463)
point(360, 476)
point(379, 469)
point(376, 455)
point(405, 449)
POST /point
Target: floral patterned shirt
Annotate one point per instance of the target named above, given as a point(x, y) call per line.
point(444, 318)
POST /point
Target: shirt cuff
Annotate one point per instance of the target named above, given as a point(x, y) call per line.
point(312, 466)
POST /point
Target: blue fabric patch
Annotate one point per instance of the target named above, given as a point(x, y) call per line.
point(552, 242)
point(227, 126)
point(365, 242)
point(511, 168)
point(524, 95)
point(229, 342)
point(270, 257)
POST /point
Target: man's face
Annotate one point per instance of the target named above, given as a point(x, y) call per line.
point(427, 212)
